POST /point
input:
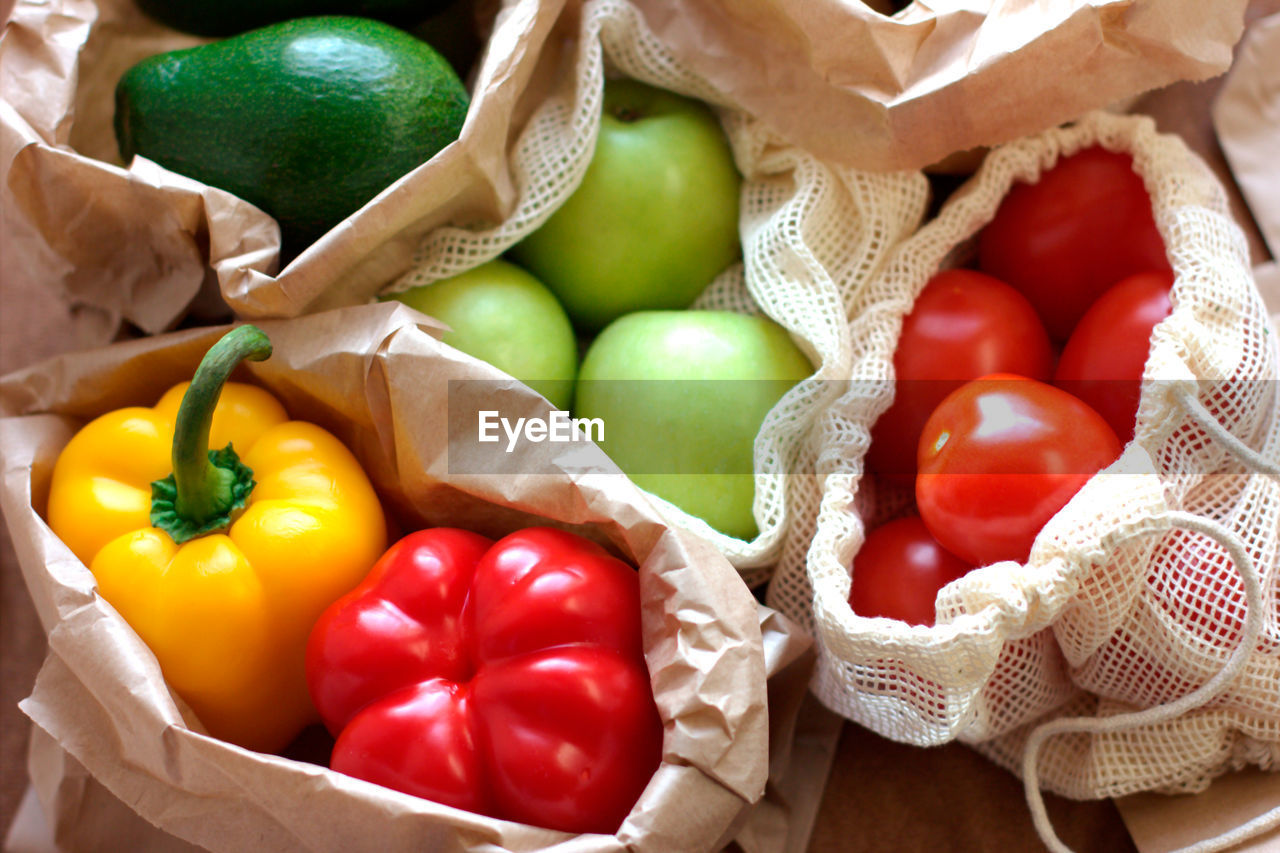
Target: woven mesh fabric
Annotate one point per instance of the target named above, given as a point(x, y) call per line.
point(1115, 609)
point(813, 236)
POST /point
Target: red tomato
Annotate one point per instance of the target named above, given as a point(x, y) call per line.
point(1194, 590)
point(1062, 241)
point(1134, 670)
point(899, 570)
point(963, 325)
point(999, 457)
point(1194, 580)
point(1103, 360)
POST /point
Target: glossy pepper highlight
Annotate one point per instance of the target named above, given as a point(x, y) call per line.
point(220, 560)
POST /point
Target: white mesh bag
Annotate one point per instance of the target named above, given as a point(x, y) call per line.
point(812, 236)
point(1146, 621)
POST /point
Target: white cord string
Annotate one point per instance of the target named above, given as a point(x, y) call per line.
point(1253, 622)
point(1248, 457)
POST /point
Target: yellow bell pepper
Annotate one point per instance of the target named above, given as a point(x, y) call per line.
point(221, 576)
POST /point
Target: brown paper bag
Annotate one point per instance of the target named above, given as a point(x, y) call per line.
point(90, 817)
point(144, 245)
point(1246, 121)
point(86, 816)
point(375, 377)
point(902, 91)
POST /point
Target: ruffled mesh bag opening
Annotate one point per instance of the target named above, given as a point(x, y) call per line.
point(1149, 607)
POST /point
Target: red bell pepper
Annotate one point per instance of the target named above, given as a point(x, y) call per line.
point(503, 678)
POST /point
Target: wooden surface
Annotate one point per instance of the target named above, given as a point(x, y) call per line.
point(880, 795)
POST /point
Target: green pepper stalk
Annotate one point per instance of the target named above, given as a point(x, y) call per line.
point(207, 486)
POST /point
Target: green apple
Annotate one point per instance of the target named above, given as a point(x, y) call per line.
point(655, 218)
point(682, 395)
point(501, 314)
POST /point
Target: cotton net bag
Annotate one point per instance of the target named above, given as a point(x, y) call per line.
point(812, 234)
point(1138, 649)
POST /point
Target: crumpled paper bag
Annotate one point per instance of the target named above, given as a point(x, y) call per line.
point(838, 79)
point(377, 378)
point(1246, 120)
point(138, 243)
point(903, 91)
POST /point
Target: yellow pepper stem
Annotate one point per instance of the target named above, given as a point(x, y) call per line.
point(206, 486)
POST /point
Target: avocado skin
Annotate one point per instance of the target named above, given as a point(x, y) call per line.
point(307, 119)
point(230, 17)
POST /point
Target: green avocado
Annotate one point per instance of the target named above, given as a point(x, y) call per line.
point(308, 119)
point(229, 17)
